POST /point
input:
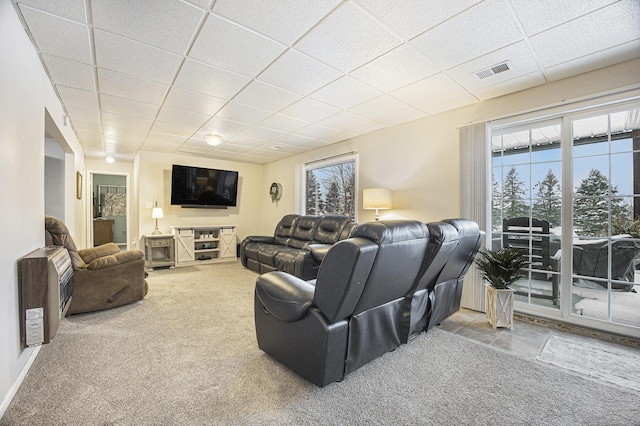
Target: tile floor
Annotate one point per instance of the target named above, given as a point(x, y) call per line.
point(526, 339)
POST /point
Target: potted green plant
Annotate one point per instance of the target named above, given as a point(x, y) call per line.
point(500, 269)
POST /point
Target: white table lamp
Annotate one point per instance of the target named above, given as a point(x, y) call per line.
point(157, 214)
point(376, 199)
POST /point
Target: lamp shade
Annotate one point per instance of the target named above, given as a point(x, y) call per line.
point(376, 198)
point(157, 213)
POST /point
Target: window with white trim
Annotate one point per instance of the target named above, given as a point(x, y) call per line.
point(330, 187)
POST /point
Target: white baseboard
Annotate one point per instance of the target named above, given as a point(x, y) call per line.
point(18, 382)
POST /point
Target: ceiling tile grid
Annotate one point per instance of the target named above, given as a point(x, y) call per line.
point(281, 77)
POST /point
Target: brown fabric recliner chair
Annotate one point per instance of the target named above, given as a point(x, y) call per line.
point(103, 276)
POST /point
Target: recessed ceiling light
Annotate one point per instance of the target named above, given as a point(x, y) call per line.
point(109, 159)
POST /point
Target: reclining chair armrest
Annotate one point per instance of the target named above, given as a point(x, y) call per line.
point(318, 251)
point(115, 259)
point(92, 253)
point(259, 239)
point(284, 296)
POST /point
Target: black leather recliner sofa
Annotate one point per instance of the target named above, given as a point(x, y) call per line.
point(374, 291)
point(298, 245)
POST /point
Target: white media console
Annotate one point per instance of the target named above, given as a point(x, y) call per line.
point(204, 244)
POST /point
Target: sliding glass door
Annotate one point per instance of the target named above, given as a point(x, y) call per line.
point(606, 217)
point(527, 205)
point(566, 191)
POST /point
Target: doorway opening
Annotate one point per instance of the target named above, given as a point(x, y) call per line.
point(110, 212)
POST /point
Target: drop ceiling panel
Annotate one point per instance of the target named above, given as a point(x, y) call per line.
point(251, 158)
point(615, 24)
point(266, 97)
point(323, 133)
point(345, 93)
point(350, 123)
point(210, 80)
point(387, 110)
point(164, 138)
point(126, 121)
point(127, 106)
point(70, 73)
point(126, 86)
point(453, 43)
point(516, 84)
point(347, 39)
point(83, 113)
point(283, 123)
point(402, 66)
point(243, 113)
point(540, 15)
point(77, 97)
point(298, 73)
point(167, 24)
point(263, 133)
point(411, 18)
point(188, 100)
point(173, 129)
point(520, 59)
point(594, 61)
point(310, 110)
point(231, 148)
point(299, 140)
point(57, 36)
point(89, 127)
point(289, 19)
point(224, 127)
point(130, 57)
point(71, 9)
point(115, 134)
point(178, 116)
point(246, 141)
point(269, 153)
point(152, 145)
point(435, 94)
point(233, 48)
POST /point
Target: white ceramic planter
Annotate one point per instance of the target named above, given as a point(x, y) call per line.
point(499, 307)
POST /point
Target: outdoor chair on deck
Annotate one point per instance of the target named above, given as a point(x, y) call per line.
point(532, 236)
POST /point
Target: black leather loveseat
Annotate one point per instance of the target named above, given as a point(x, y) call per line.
point(298, 245)
point(376, 290)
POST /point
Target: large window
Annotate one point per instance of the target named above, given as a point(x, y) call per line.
point(575, 179)
point(330, 187)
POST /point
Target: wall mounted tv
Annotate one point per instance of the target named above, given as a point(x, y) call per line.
point(200, 187)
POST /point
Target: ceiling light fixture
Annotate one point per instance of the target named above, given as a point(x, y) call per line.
point(109, 159)
point(213, 140)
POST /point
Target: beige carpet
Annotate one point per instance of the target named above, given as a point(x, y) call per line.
point(187, 355)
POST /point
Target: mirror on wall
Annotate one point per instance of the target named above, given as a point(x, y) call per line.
point(109, 209)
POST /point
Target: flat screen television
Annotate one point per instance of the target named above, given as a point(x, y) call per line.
point(200, 187)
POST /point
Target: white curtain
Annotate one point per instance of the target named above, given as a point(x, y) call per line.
point(475, 201)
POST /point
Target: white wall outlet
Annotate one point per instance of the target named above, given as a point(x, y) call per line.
point(149, 204)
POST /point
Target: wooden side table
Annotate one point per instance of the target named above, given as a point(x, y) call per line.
point(159, 250)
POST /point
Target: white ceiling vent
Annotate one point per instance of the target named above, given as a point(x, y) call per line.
point(496, 69)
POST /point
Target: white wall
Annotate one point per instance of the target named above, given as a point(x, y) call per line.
point(419, 160)
point(26, 94)
point(154, 184)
